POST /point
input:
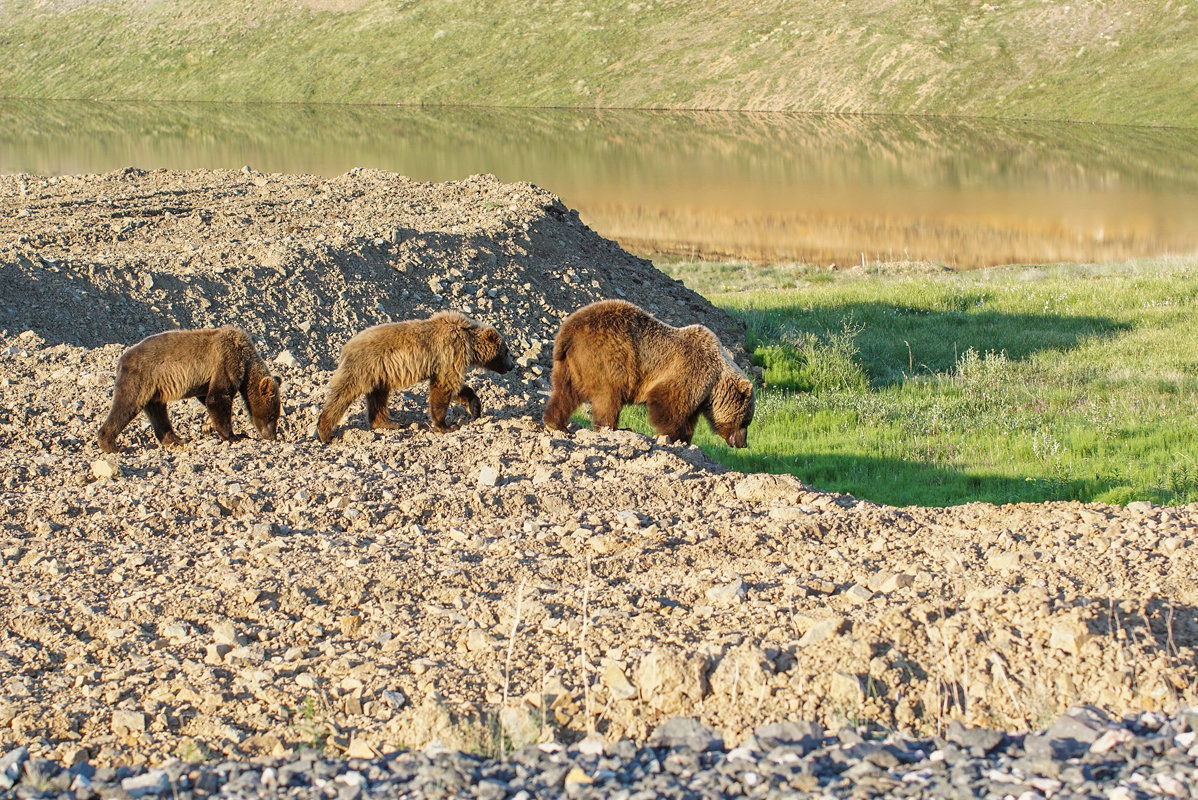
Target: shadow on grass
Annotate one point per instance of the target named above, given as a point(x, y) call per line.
point(896, 342)
point(906, 483)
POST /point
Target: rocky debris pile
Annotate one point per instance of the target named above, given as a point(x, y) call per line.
point(1082, 754)
point(394, 589)
point(302, 262)
point(502, 585)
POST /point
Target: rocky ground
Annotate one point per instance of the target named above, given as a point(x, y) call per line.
point(501, 585)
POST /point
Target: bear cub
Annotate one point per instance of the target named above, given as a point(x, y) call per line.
point(396, 355)
point(613, 353)
point(209, 364)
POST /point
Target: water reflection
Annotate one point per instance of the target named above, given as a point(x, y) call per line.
point(822, 189)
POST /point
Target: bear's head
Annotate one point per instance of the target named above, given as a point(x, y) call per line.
point(265, 404)
point(732, 406)
point(490, 351)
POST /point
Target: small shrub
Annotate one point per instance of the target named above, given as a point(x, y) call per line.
point(807, 362)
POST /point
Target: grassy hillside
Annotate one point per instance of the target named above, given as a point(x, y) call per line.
point(1118, 61)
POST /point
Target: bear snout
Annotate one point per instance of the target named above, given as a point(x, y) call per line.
point(502, 363)
point(268, 430)
point(739, 438)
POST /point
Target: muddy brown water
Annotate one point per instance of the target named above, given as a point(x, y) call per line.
point(761, 187)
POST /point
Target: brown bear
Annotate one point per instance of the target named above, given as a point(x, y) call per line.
point(210, 364)
point(612, 353)
point(396, 355)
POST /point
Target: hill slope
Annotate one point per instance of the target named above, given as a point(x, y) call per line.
point(1118, 62)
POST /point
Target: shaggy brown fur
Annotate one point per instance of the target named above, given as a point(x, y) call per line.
point(613, 353)
point(211, 365)
point(396, 355)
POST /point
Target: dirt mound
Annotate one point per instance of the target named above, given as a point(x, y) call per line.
point(303, 263)
point(495, 585)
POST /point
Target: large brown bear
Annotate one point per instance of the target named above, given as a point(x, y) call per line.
point(396, 355)
point(210, 364)
point(613, 353)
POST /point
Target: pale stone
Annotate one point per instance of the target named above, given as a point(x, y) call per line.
point(215, 653)
point(478, 640)
point(104, 469)
point(125, 723)
point(886, 582)
point(488, 476)
point(286, 359)
point(858, 594)
point(1069, 636)
point(767, 488)
point(360, 749)
point(521, 724)
point(820, 631)
point(743, 672)
point(616, 681)
point(225, 632)
point(845, 688)
point(727, 594)
point(669, 681)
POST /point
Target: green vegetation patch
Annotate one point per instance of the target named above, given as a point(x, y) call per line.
point(1004, 385)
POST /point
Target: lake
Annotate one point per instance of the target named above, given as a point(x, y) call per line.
point(820, 189)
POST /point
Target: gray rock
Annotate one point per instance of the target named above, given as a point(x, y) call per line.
point(1070, 736)
point(804, 735)
point(983, 739)
point(685, 732)
point(10, 766)
point(153, 782)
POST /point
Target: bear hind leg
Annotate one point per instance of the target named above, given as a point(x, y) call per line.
point(124, 409)
point(342, 392)
point(161, 423)
point(564, 400)
point(376, 408)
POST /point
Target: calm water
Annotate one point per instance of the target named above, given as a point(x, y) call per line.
point(821, 189)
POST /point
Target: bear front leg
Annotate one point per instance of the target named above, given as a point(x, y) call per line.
point(663, 404)
point(439, 398)
point(220, 411)
point(469, 401)
point(161, 423)
point(605, 411)
point(376, 408)
point(124, 409)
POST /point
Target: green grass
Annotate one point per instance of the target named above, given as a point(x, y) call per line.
point(1117, 62)
point(1004, 385)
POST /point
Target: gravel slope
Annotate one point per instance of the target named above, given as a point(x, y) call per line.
point(389, 591)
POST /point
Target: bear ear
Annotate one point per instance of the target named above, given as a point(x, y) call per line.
point(493, 336)
point(266, 387)
point(745, 387)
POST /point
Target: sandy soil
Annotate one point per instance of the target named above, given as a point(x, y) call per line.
point(501, 583)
